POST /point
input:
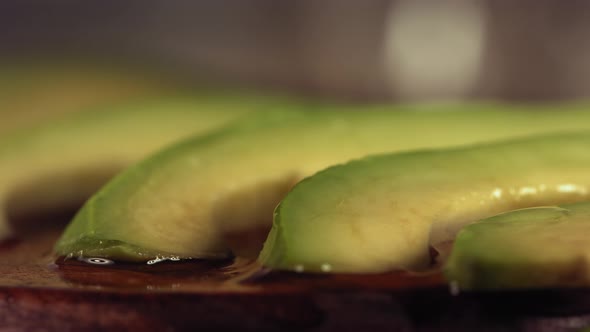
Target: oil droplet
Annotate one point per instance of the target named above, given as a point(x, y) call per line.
point(97, 261)
point(156, 260)
point(159, 259)
point(527, 191)
point(571, 188)
point(497, 193)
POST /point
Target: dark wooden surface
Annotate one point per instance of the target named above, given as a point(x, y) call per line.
point(40, 292)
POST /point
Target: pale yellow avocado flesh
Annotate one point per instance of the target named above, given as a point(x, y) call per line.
point(381, 213)
point(60, 162)
point(181, 201)
point(528, 248)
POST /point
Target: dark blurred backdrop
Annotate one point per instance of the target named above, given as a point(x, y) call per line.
point(364, 50)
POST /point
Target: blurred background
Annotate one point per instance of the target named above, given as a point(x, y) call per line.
point(400, 50)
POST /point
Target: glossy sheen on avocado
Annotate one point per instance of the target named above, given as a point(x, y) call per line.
point(535, 247)
point(381, 213)
point(181, 202)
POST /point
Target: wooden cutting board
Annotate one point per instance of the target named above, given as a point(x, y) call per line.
point(41, 292)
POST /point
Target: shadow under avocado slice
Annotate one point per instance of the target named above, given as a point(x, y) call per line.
point(182, 201)
point(61, 162)
point(528, 248)
point(381, 213)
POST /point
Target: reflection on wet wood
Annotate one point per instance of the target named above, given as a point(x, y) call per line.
point(36, 290)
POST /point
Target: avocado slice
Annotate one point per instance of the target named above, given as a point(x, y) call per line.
point(380, 213)
point(61, 162)
point(534, 247)
point(33, 91)
point(182, 201)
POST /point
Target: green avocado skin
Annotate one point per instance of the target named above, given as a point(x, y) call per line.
point(528, 248)
point(381, 213)
point(181, 201)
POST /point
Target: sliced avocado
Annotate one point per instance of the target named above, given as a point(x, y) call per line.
point(59, 162)
point(34, 91)
point(182, 201)
point(380, 213)
point(535, 247)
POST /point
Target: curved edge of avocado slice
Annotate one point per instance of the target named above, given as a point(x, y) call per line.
point(381, 213)
point(528, 248)
point(57, 163)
